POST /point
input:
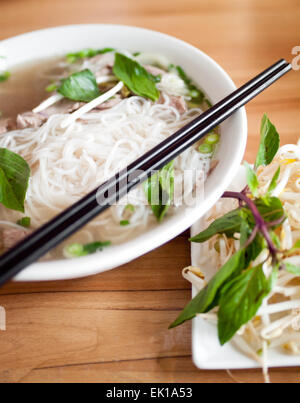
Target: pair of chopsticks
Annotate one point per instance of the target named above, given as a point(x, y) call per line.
point(71, 220)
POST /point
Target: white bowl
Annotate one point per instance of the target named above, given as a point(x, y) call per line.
point(206, 73)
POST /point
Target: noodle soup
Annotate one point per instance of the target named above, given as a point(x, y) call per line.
point(104, 110)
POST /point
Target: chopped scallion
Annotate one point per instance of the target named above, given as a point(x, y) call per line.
point(24, 222)
point(205, 148)
point(80, 250)
point(87, 53)
point(124, 223)
point(52, 87)
point(212, 138)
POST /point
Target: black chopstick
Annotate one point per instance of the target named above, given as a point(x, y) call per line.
point(71, 220)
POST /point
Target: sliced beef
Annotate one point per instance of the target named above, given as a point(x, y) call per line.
point(104, 71)
point(103, 64)
point(61, 108)
point(12, 236)
point(107, 60)
point(155, 71)
point(110, 103)
point(177, 102)
point(35, 120)
point(30, 119)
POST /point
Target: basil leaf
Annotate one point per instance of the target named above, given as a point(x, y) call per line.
point(14, 178)
point(87, 53)
point(81, 87)
point(257, 245)
point(135, 77)
point(274, 181)
point(4, 76)
point(240, 301)
point(159, 190)
point(252, 179)
point(229, 224)
point(291, 268)
point(270, 208)
point(207, 299)
point(255, 248)
point(269, 143)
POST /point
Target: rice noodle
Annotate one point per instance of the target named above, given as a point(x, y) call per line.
point(68, 163)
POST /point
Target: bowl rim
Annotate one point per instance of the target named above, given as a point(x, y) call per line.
point(118, 255)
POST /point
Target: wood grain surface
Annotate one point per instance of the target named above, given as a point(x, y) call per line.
point(113, 327)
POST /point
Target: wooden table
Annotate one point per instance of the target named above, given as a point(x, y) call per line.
point(113, 327)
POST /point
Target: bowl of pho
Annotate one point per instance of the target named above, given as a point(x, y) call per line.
point(80, 103)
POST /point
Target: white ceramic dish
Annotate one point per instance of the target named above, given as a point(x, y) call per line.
point(207, 73)
point(207, 351)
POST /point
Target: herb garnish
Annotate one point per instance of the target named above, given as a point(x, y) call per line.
point(4, 76)
point(14, 178)
point(197, 96)
point(25, 222)
point(136, 77)
point(124, 223)
point(81, 87)
point(87, 53)
point(51, 87)
point(78, 250)
point(269, 143)
point(159, 190)
point(239, 287)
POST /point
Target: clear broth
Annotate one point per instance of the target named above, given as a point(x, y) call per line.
point(25, 89)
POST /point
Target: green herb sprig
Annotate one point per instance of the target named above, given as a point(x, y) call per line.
point(87, 53)
point(159, 190)
point(81, 87)
point(239, 287)
point(25, 222)
point(136, 77)
point(197, 96)
point(79, 250)
point(14, 179)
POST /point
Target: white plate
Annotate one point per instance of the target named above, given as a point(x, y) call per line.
point(207, 351)
point(208, 75)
